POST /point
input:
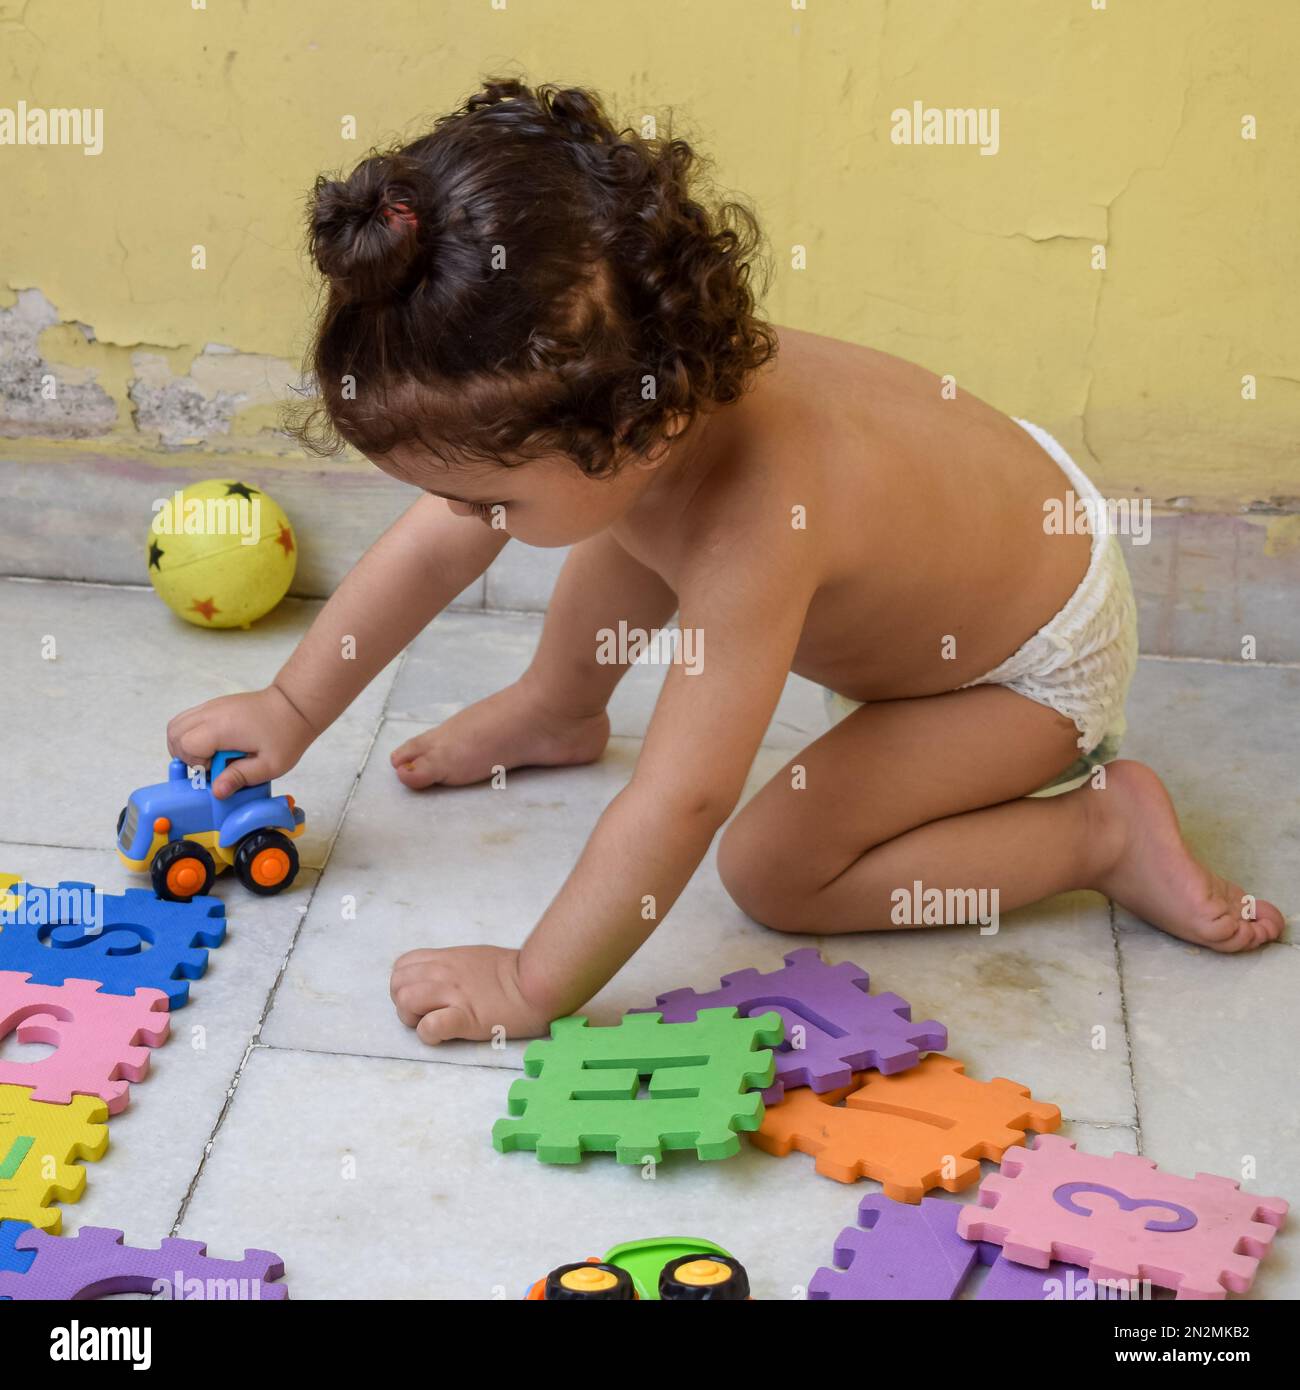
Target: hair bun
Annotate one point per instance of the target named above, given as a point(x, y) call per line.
point(578, 113)
point(365, 229)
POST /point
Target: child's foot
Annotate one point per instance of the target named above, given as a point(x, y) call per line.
point(508, 729)
point(1150, 871)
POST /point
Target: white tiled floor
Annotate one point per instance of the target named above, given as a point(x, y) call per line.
point(328, 1122)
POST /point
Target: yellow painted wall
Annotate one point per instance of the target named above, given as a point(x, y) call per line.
point(1119, 127)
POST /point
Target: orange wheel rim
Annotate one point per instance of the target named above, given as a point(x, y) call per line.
point(270, 866)
point(185, 877)
point(589, 1279)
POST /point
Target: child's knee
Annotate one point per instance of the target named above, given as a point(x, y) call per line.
point(760, 880)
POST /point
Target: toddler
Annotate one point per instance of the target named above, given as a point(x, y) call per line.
point(538, 322)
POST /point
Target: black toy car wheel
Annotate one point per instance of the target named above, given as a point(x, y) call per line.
point(266, 862)
point(694, 1278)
point(588, 1282)
point(181, 871)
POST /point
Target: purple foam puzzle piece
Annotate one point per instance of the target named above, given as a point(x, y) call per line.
point(843, 1029)
point(1007, 1281)
point(899, 1251)
point(94, 1263)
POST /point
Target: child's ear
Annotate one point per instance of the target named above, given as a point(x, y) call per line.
point(659, 451)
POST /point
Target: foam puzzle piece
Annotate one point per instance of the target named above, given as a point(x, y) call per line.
point(584, 1091)
point(101, 1041)
point(1008, 1282)
point(1124, 1219)
point(833, 1027)
point(95, 1262)
point(914, 1252)
point(126, 941)
point(9, 901)
point(897, 1251)
point(918, 1129)
point(33, 1136)
point(13, 1260)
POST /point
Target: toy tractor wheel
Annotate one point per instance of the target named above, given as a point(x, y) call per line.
point(694, 1278)
point(588, 1282)
point(181, 871)
point(266, 862)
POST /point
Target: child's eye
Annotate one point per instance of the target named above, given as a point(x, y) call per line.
point(484, 509)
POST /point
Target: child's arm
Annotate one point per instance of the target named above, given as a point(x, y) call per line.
point(410, 574)
point(650, 839)
point(697, 754)
point(599, 586)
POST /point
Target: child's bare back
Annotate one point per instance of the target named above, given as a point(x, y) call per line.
point(917, 516)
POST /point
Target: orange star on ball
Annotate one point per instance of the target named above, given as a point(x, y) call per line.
point(285, 538)
point(206, 606)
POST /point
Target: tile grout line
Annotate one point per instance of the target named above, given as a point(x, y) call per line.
point(389, 1057)
point(76, 583)
point(269, 1002)
point(193, 1183)
point(44, 844)
point(192, 1186)
point(1219, 661)
point(492, 610)
point(298, 1049)
point(1124, 1015)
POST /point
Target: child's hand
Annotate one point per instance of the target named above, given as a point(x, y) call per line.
point(464, 992)
point(261, 724)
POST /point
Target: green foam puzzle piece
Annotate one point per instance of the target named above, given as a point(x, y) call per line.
point(584, 1092)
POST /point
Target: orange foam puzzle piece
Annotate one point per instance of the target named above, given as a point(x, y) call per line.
point(922, 1128)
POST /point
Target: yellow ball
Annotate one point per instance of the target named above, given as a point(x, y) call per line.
point(221, 553)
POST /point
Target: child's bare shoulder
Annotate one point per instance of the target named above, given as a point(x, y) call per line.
point(879, 431)
point(793, 452)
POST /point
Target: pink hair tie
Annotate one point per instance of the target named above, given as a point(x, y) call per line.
point(400, 212)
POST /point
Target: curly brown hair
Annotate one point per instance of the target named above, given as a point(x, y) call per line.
point(526, 279)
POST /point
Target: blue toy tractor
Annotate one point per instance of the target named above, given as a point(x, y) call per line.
point(183, 837)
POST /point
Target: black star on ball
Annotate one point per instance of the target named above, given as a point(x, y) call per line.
point(156, 553)
point(240, 490)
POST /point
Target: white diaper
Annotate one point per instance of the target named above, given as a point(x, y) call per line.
point(1082, 662)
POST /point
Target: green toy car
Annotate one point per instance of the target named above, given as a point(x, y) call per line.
point(668, 1269)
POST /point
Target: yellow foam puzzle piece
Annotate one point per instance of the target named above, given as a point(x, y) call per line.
point(39, 1146)
point(9, 902)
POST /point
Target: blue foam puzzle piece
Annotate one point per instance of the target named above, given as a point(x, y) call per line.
point(14, 1261)
point(135, 940)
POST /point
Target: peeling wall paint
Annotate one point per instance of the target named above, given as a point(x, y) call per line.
point(40, 396)
point(1120, 129)
point(57, 381)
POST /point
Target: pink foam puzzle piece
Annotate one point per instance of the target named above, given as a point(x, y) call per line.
point(1121, 1218)
point(101, 1041)
point(914, 1253)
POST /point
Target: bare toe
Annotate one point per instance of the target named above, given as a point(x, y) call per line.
point(1156, 876)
